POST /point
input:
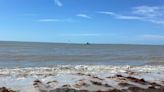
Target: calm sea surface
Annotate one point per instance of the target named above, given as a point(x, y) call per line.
point(21, 54)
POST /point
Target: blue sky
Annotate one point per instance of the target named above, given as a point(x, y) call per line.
point(80, 21)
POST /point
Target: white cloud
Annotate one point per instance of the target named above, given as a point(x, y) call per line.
point(83, 16)
point(128, 17)
point(106, 12)
point(58, 3)
point(148, 11)
point(118, 16)
point(157, 21)
point(153, 14)
point(152, 37)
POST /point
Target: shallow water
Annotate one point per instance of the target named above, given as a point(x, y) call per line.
point(16, 54)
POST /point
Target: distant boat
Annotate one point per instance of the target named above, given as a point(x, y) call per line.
point(87, 43)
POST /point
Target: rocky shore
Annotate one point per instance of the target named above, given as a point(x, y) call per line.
point(130, 79)
point(96, 84)
point(92, 83)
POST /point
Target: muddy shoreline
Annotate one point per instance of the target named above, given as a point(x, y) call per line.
point(83, 79)
point(92, 83)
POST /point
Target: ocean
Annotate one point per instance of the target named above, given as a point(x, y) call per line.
point(54, 65)
point(33, 54)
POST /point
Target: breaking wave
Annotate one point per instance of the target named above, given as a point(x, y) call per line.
point(64, 69)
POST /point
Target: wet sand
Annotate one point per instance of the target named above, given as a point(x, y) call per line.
point(90, 83)
point(83, 79)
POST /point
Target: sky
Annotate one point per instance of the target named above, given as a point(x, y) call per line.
point(81, 21)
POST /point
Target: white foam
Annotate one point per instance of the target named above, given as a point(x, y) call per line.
point(78, 68)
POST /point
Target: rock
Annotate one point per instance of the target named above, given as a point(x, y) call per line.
point(95, 77)
point(126, 85)
point(36, 82)
point(66, 86)
point(41, 87)
point(136, 89)
point(119, 75)
point(96, 83)
point(81, 74)
point(107, 85)
point(140, 81)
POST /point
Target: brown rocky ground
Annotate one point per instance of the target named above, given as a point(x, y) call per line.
point(96, 84)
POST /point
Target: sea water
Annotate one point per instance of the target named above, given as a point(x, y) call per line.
point(31, 54)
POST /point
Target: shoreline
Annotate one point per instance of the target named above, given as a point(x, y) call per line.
point(81, 43)
point(91, 83)
point(83, 78)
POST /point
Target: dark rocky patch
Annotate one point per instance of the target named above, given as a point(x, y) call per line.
point(81, 74)
point(140, 81)
point(96, 83)
point(95, 77)
point(126, 85)
point(66, 86)
point(119, 75)
point(36, 82)
point(107, 85)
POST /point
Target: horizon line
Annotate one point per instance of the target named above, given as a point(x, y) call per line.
point(81, 43)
